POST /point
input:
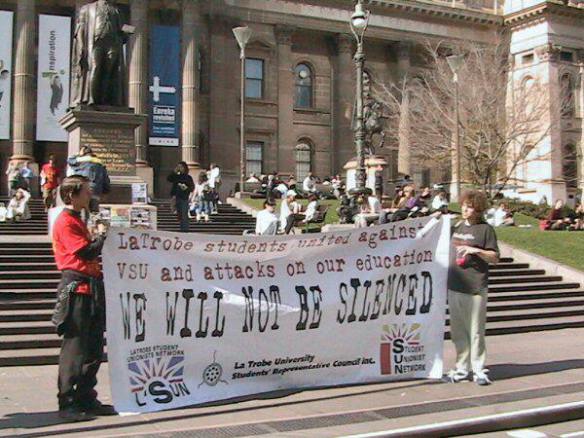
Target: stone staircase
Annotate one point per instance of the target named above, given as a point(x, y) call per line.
point(521, 299)
point(229, 220)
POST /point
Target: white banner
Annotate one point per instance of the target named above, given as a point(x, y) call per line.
point(194, 318)
point(53, 76)
point(6, 18)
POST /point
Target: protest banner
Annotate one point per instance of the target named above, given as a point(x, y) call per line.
point(193, 318)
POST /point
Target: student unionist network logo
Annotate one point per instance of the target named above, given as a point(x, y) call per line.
point(401, 350)
point(160, 380)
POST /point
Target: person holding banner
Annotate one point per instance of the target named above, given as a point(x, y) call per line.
point(79, 314)
point(474, 246)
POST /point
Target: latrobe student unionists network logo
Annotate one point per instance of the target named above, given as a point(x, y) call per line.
point(401, 351)
point(157, 379)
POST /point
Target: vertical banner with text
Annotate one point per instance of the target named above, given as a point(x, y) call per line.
point(194, 318)
point(53, 76)
point(6, 20)
point(164, 86)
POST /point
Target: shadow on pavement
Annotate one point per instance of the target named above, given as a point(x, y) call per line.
point(37, 420)
point(31, 420)
point(512, 370)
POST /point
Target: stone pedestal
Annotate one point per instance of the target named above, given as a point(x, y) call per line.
point(372, 165)
point(109, 132)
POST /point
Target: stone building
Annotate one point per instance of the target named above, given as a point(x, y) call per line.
point(300, 77)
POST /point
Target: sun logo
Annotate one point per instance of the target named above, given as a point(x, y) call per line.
point(394, 339)
point(160, 379)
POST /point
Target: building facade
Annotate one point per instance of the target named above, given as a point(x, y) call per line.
point(300, 78)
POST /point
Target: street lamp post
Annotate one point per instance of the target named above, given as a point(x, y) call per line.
point(581, 72)
point(359, 23)
point(455, 62)
point(242, 35)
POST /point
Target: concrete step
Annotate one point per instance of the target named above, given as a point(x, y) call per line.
point(24, 342)
point(40, 356)
point(26, 328)
point(534, 325)
point(515, 273)
point(25, 251)
point(33, 283)
point(525, 279)
point(27, 304)
point(28, 315)
point(506, 266)
point(532, 287)
point(6, 267)
point(534, 303)
point(37, 258)
point(26, 293)
point(31, 275)
point(523, 295)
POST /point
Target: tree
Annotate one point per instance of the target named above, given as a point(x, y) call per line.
point(503, 118)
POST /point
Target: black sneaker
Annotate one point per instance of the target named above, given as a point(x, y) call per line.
point(98, 408)
point(73, 414)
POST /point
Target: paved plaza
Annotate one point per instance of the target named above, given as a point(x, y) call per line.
point(531, 370)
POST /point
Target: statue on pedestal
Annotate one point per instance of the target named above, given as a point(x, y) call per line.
point(98, 58)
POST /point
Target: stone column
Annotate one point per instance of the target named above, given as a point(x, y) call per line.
point(404, 165)
point(190, 128)
point(344, 83)
point(286, 157)
point(581, 97)
point(24, 87)
point(138, 86)
point(138, 73)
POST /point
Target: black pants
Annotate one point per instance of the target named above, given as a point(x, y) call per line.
point(290, 220)
point(182, 213)
point(81, 354)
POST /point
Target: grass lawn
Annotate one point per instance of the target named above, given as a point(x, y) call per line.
point(566, 247)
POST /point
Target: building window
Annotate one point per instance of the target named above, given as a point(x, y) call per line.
point(303, 161)
point(570, 166)
point(253, 158)
point(303, 75)
point(254, 78)
point(568, 102)
point(527, 59)
point(566, 56)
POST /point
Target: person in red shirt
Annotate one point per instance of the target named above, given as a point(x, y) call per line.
point(80, 310)
point(49, 182)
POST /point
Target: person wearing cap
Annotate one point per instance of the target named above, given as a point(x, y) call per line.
point(289, 210)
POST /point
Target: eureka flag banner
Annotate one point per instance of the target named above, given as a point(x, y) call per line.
point(193, 318)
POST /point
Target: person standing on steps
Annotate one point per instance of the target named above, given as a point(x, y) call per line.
point(79, 314)
point(182, 186)
point(473, 247)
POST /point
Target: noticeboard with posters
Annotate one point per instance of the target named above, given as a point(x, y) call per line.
point(128, 216)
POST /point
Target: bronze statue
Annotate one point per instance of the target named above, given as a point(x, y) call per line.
point(98, 58)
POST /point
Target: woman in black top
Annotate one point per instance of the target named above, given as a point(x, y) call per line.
point(182, 186)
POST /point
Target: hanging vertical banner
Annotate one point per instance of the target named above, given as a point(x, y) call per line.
point(164, 86)
point(5, 72)
point(53, 76)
